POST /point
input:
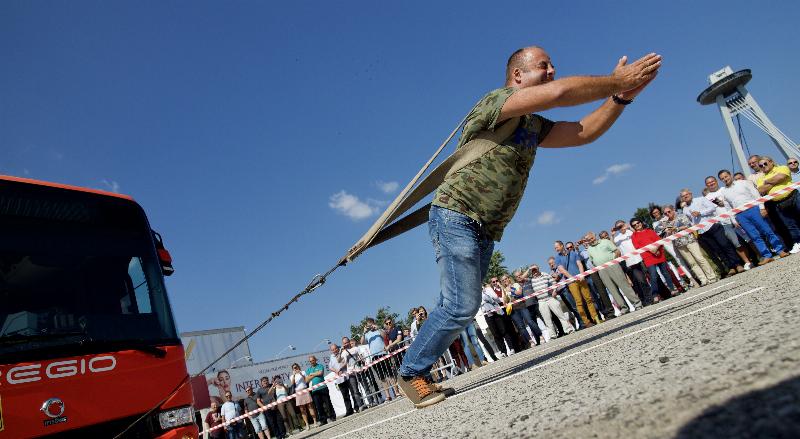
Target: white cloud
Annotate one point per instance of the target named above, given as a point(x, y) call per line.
point(351, 206)
point(600, 179)
point(616, 169)
point(112, 186)
point(547, 218)
point(387, 187)
point(619, 169)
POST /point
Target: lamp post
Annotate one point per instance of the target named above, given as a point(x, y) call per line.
point(290, 347)
point(233, 364)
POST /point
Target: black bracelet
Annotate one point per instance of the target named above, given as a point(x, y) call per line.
point(621, 101)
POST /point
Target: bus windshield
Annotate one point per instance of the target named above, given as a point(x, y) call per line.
point(78, 273)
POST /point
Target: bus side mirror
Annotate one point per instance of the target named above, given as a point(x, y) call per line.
point(163, 255)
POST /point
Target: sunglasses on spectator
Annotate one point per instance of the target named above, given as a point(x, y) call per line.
point(637, 223)
point(763, 164)
point(792, 163)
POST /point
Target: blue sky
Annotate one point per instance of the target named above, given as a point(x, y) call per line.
point(264, 138)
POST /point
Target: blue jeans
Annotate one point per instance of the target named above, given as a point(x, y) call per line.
point(462, 251)
point(234, 430)
point(755, 225)
point(469, 334)
point(522, 318)
point(653, 270)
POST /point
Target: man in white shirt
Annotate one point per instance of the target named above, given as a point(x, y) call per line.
point(737, 194)
point(714, 195)
point(229, 411)
point(713, 238)
point(339, 365)
point(351, 357)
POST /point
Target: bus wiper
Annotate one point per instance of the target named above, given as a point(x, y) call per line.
point(84, 340)
point(18, 337)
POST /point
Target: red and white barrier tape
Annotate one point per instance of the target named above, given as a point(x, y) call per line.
point(306, 390)
point(653, 246)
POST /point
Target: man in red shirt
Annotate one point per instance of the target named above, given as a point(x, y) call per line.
point(214, 418)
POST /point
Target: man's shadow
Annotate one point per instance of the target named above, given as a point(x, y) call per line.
point(773, 412)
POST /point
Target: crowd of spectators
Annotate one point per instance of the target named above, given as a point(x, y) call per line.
point(755, 236)
point(522, 309)
point(360, 389)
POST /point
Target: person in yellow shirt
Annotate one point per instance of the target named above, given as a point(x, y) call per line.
point(774, 179)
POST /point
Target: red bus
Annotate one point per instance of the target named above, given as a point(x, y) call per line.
point(88, 342)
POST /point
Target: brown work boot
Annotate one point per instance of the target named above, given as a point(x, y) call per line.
point(447, 391)
point(419, 392)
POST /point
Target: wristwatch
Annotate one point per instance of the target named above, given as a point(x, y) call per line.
point(621, 101)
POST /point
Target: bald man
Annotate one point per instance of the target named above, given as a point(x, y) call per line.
point(472, 206)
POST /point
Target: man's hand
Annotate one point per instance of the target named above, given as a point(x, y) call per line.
point(630, 94)
point(634, 77)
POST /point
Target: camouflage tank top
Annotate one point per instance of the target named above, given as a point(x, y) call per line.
point(490, 188)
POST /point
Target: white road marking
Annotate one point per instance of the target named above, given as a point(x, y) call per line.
point(590, 348)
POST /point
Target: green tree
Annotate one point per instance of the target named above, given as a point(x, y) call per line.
point(496, 267)
point(384, 312)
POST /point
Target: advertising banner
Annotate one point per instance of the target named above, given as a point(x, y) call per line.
point(203, 347)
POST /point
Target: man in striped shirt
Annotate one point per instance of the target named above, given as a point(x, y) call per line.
point(549, 306)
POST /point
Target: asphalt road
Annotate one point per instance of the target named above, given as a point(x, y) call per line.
point(718, 361)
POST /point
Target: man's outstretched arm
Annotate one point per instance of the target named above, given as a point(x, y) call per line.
point(577, 90)
point(594, 125)
point(599, 121)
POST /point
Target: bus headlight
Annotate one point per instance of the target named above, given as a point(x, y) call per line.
point(176, 417)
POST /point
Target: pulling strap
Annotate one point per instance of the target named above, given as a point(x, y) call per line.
point(379, 232)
